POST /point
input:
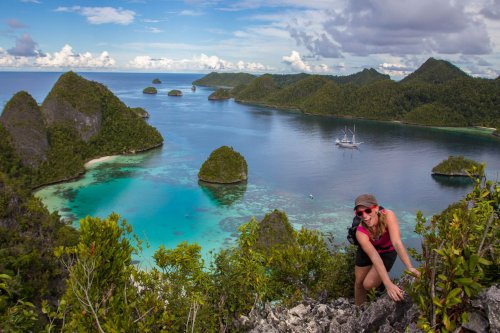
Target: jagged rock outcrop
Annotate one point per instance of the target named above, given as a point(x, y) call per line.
point(382, 316)
point(76, 102)
point(274, 231)
point(23, 120)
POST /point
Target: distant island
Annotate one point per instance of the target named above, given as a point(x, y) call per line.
point(156, 81)
point(220, 94)
point(79, 120)
point(455, 166)
point(150, 91)
point(175, 92)
point(436, 94)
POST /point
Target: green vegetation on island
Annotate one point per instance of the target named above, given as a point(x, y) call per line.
point(175, 92)
point(220, 94)
point(436, 94)
point(156, 81)
point(224, 166)
point(140, 112)
point(79, 120)
point(456, 166)
point(150, 90)
point(224, 80)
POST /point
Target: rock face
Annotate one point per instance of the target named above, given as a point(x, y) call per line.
point(77, 103)
point(224, 166)
point(382, 316)
point(23, 120)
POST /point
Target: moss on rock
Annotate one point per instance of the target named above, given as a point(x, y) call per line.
point(224, 166)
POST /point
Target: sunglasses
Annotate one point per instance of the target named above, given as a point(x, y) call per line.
point(368, 211)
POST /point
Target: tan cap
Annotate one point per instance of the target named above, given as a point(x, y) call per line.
point(366, 200)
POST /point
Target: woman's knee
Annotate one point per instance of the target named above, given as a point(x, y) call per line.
point(370, 283)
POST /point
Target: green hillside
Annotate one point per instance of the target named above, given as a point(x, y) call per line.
point(224, 79)
point(436, 71)
point(436, 94)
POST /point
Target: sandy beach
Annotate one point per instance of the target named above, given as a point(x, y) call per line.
point(100, 159)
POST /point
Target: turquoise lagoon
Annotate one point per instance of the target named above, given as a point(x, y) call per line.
point(290, 156)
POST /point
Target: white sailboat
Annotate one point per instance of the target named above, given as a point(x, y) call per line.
point(349, 144)
point(344, 138)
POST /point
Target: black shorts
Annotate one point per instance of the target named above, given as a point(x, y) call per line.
point(388, 258)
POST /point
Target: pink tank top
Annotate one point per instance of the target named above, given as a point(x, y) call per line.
point(382, 244)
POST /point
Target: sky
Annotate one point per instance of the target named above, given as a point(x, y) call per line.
point(336, 37)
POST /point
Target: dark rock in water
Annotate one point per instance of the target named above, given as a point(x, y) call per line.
point(24, 121)
point(156, 81)
point(224, 166)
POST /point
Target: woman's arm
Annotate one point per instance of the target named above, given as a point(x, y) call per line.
point(395, 234)
point(392, 290)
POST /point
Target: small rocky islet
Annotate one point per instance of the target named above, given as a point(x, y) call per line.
point(224, 166)
point(220, 94)
point(455, 166)
point(175, 92)
point(150, 91)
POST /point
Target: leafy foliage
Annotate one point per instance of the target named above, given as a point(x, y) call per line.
point(460, 256)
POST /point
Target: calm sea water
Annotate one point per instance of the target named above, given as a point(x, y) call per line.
point(289, 155)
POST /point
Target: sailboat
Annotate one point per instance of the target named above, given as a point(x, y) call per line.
point(344, 138)
point(345, 143)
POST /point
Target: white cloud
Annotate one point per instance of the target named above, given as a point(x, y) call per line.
point(7, 60)
point(296, 63)
point(202, 62)
point(67, 58)
point(102, 15)
point(191, 13)
point(395, 69)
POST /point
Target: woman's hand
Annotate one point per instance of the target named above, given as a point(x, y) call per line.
point(394, 292)
point(414, 271)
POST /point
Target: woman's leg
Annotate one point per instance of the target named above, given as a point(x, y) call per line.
point(360, 274)
point(372, 279)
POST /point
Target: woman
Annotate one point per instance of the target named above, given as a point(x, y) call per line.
point(379, 244)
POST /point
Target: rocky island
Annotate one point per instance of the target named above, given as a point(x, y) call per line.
point(79, 120)
point(156, 81)
point(455, 166)
point(175, 92)
point(220, 94)
point(224, 166)
point(150, 91)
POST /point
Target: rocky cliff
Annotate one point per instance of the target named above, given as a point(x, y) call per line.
point(382, 316)
point(24, 122)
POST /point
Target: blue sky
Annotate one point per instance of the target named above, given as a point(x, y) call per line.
point(338, 37)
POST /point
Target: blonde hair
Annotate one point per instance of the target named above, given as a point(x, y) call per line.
point(381, 225)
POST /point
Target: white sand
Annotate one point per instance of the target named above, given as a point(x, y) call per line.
point(98, 160)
